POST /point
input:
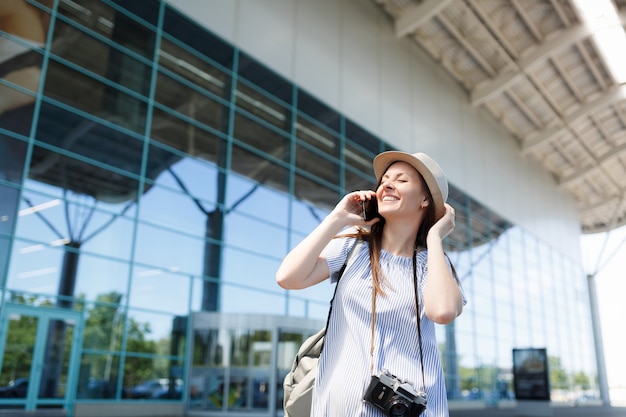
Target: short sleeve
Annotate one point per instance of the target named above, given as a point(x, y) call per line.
point(336, 253)
point(422, 269)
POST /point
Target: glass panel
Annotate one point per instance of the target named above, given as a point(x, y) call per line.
point(259, 170)
point(91, 54)
point(324, 197)
point(40, 269)
point(250, 359)
point(237, 398)
point(183, 253)
point(182, 198)
point(20, 66)
point(98, 377)
point(104, 324)
point(5, 244)
point(147, 10)
point(57, 359)
point(104, 102)
point(18, 355)
point(176, 211)
point(235, 299)
point(260, 136)
point(316, 163)
point(9, 204)
point(148, 379)
point(150, 333)
point(90, 138)
point(368, 144)
point(318, 136)
point(156, 289)
point(238, 234)
point(90, 281)
point(185, 135)
point(194, 69)
point(320, 112)
point(111, 24)
point(265, 79)
point(193, 89)
point(305, 218)
point(262, 203)
point(207, 380)
point(189, 33)
point(243, 268)
point(34, 268)
point(359, 172)
point(288, 345)
point(12, 156)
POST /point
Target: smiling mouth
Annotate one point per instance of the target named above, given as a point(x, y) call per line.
point(390, 198)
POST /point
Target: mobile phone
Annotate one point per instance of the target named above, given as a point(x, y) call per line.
point(370, 209)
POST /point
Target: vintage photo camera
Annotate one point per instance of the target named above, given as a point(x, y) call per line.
point(394, 397)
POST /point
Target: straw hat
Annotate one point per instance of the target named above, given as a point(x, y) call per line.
point(429, 169)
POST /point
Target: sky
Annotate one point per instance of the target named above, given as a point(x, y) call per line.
point(606, 254)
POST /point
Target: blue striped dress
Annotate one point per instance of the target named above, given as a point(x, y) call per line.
point(344, 367)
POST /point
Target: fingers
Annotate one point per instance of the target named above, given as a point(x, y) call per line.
point(362, 195)
point(353, 208)
point(450, 209)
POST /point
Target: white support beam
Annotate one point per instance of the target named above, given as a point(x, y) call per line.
point(615, 152)
point(612, 96)
point(416, 16)
point(488, 90)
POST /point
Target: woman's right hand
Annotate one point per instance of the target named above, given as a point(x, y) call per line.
point(305, 265)
point(350, 208)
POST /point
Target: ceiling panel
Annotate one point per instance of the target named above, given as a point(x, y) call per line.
point(534, 66)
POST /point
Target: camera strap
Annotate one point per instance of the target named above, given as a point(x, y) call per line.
point(419, 328)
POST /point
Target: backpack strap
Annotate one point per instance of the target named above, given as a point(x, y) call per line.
point(357, 242)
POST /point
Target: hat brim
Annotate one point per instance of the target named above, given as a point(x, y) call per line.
point(427, 167)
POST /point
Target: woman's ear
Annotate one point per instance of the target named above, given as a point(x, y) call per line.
point(425, 203)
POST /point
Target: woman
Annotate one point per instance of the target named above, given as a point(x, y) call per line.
point(373, 325)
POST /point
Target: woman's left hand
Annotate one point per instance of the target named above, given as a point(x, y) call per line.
point(444, 226)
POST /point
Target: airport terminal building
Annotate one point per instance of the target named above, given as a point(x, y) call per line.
point(170, 153)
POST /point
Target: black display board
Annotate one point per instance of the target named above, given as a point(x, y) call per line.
point(530, 374)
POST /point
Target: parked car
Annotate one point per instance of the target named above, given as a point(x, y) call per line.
point(166, 394)
point(15, 389)
point(147, 388)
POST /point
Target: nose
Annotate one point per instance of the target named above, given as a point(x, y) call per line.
point(387, 185)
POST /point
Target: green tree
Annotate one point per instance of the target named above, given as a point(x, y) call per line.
point(557, 376)
point(582, 380)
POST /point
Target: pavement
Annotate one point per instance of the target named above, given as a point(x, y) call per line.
point(586, 411)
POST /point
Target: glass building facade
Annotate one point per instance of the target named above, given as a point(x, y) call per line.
point(152, 177)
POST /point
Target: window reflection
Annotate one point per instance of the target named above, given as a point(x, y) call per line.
point(263, 203)
point(251, 234)
point(265, 138)
point(12, 155)
point(168, 250)
point(174, 210)
point(234, 299)
point(156, 289)
point(245, 269)
point(250, 359)
point(98, 377)
point(184, 133)
point(192, 206)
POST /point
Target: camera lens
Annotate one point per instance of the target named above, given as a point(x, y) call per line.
point(398, 407)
